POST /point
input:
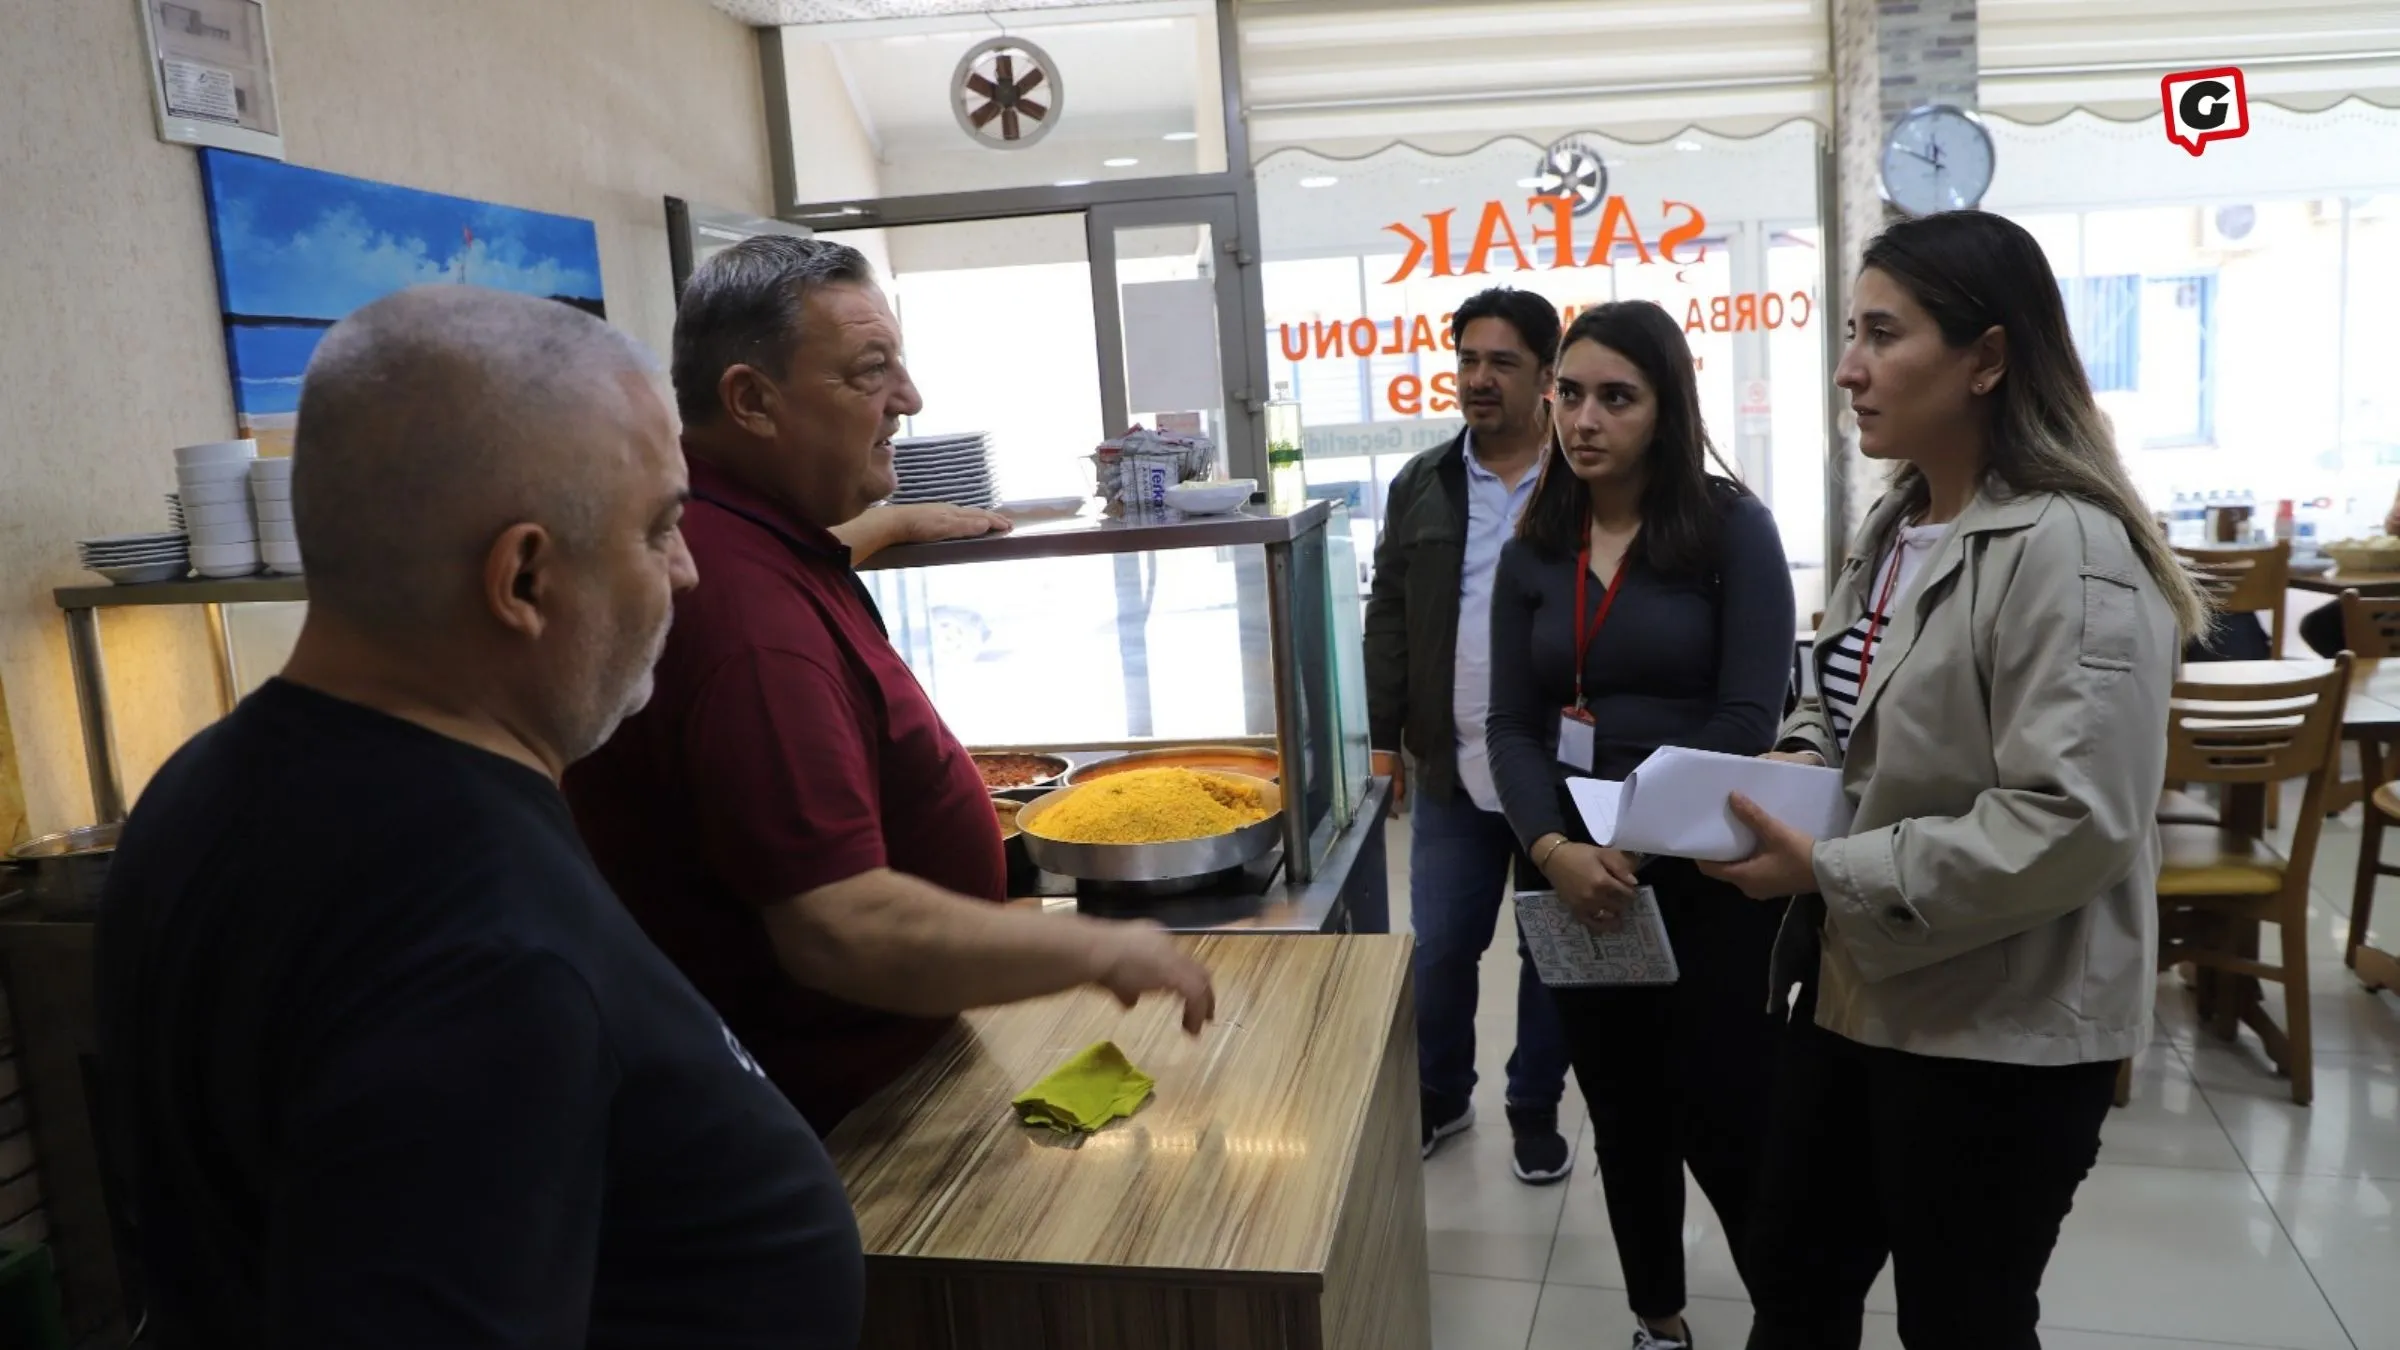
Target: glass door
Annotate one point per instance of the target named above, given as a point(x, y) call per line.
point(1170, 286)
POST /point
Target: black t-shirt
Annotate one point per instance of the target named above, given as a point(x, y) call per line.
point(390, 1067)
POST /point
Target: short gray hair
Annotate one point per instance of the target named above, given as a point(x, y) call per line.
point(742, 308)
point(435, 418)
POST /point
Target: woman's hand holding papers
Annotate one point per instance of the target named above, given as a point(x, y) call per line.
point(1785, 863)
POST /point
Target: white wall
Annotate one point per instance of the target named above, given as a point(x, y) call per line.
point(113, 352)
point(834, 158)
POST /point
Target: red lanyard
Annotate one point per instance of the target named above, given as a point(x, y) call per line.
point(1866, 651)
point(1583, 574)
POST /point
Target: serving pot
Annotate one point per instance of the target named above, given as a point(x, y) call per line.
point(1056, 764)
point(1240, 760)
point(1178, 860)
point(64, 873)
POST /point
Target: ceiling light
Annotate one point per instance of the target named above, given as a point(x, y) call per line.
point(1319, 181)
point(1688, 146)
point(1183, 135)
point(1072, 182)
point(1121, 162)
point(1537, 182)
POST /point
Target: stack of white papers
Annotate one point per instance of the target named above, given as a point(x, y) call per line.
point(1678, 804)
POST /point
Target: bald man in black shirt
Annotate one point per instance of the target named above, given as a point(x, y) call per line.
point(384, 1061)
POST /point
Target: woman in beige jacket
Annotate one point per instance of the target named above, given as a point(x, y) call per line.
point(1995, 664)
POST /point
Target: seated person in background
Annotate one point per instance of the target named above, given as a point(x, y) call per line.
point(2321, 628)
point(2233, 637)
point(384, 1063)
point(790, 819)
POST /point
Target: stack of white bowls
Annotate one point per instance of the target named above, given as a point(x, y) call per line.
point(212, 486)
point(271, 497)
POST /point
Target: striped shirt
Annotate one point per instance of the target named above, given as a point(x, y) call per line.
point(1840, 680)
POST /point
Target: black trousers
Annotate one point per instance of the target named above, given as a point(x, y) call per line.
point(1680, 1075)
point(1961, 1171)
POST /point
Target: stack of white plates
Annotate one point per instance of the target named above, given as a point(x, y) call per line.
point(271, 497)
point(952, 469)
point(133, 559)
point(212, 490)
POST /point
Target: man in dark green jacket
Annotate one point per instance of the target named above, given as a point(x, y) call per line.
point(1428, 688)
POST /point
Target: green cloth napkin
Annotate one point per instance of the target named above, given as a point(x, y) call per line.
point(1094, 1087)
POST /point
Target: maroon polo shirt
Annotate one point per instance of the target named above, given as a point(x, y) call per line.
point(787, 747)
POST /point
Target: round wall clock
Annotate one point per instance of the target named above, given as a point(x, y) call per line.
point(1006, 93)
point(1937, 158)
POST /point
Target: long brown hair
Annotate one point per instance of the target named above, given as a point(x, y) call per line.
point(1972, 270)
point(1682, 502)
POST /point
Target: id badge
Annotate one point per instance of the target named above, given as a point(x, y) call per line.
point(1575, 739)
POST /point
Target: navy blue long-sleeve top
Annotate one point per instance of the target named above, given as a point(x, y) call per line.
point(1702, 661)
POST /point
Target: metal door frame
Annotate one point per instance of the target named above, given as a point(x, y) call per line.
point(1241, 344)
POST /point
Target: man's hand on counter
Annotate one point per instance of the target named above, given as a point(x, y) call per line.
point(1139, 958)
point(896, 942)
point(1394, 765)
point(885, 527)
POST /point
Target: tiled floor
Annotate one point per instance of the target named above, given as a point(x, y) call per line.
point(2220, 1215)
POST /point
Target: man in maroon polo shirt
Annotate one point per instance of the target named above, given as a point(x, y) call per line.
point(789, 819)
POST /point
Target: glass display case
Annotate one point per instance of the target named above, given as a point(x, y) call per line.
point(1092, 636)
point(1086, 637)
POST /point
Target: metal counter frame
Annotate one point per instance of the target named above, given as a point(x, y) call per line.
point(83, 604)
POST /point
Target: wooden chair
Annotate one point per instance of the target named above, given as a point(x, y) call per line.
point(2371, 631)
point(2371, 626)
point(2218, 885)
point(2241, 581)
point(2246, 581)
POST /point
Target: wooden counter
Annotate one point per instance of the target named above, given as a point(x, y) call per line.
point(1269, 1195)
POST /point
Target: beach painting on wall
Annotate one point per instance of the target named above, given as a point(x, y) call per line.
point(299, 248)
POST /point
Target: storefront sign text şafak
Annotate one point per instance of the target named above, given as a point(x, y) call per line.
point(1402, 335)
point(1494, 231)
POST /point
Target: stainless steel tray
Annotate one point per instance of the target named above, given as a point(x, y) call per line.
point(1151, 862)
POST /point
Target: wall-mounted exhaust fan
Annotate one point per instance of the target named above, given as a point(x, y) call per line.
point(1006, 93)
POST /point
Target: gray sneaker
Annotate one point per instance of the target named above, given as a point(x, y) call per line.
point(1646, 1339)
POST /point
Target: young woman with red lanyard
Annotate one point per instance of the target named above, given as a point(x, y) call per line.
point(1976, 955)
point(1645, 602)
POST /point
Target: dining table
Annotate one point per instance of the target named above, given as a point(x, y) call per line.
point(2370, 720)
point(2343, 579)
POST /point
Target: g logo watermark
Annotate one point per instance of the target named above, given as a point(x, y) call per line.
point(2204, 106)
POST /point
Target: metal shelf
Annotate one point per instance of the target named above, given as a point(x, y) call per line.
point(1088, 535)
point(241, 590)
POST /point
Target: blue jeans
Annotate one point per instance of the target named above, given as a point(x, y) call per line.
point(1458, 864)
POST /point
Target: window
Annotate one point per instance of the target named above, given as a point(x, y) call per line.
point(2177, 394)
point(2106, 315)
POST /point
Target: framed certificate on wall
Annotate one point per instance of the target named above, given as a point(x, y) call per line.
point(212, 76)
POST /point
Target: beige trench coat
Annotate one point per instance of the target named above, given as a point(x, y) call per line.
point(1996, 899)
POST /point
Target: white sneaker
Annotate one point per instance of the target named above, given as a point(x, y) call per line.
point(1646, 1339)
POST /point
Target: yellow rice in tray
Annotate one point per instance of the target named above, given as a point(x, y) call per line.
point(1153, 806)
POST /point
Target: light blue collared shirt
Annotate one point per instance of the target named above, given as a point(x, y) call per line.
point(1492, 511)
